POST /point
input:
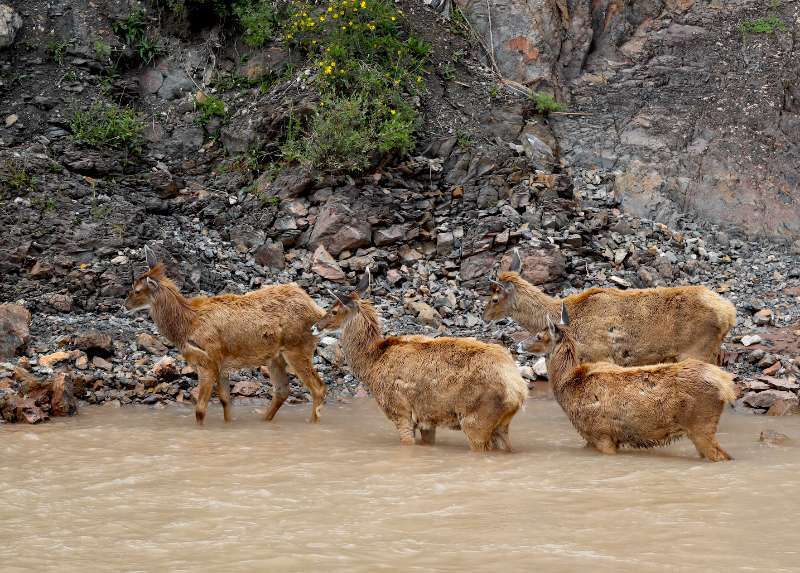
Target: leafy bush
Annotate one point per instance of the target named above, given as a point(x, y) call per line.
point(108, 126)
point(767, 25)
point(15, 177)
point(209, 106)
point(368, 69)
point(545, 103)
point(133, 31)
point(258, 19)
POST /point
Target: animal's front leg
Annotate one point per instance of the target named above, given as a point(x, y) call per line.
point(207, 378)
point(428, 436)
point(405, 428)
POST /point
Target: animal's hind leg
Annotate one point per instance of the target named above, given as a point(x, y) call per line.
point(207, 379)
point(300, 361)
point(501, 439)
point(224, 392)
point(479, 436)
point(405, 428)
point(605, 445)
point(428, 436)
point(708, 447)
point(280, 385)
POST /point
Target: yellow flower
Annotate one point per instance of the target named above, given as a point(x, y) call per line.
point(333, 63)
point(328, 70)
point(288, 36)
point(322, 18)
point(330, 9)
point(363, 4)
point(393, 18)
point(393, 112)
point(371, 26)
point(419, 79)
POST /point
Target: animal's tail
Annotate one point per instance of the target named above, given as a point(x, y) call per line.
point(723, 382)
point(516, 387)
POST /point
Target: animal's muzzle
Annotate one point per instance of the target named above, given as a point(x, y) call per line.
point(315, 331)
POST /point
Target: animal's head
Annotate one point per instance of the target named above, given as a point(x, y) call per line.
point(538, 343)
point(502, 292)
point(344, 306)
point(145, 286)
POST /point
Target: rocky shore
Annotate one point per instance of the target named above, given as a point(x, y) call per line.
point(433, 225)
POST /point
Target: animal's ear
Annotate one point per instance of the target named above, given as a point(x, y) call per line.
point(506, 287)
point(551, 328)
point(364, 283)
point(343, 300)
point(564, 315)
point(152, 283)
point(516, 262)
point(150, 257)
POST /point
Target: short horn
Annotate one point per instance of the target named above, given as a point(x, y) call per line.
point(364, 283)
point(150, 257)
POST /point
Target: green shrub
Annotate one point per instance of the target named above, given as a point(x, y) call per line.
point(209, 106)
point(132, 30)
point(368, 69)
point(258, 20)
point(15, 177)
point(57, 50)
point(108, 126)
point(545, 103)
point(767, 25)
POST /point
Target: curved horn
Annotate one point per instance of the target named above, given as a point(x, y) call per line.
point(564, 315)
point(516, 261)
point(150, 257)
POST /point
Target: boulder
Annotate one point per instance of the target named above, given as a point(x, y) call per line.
point(767, 398)
point(145, 341)
point(270, 255)
point(94, 343)
point(326, 266)
point(246, 388)
point(10, 24)
point(426, 314)
point(15, 323)
point(539, 265)
point(338, 228)
point(477, 266)
point(389, 236)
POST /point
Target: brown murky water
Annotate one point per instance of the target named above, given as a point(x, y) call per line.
point(144, 490)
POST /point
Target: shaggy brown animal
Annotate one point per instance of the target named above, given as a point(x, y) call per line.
point(626, 327)
point(642, 407)
point(421, 382)
point(215, 334)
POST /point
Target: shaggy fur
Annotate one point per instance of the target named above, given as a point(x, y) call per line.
point(421, 382)
point(641, 407)
point(626, 327)
point(219, 333)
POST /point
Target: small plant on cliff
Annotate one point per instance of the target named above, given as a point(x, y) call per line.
point(108, 126)
point(368, 69)
point(258, 19)
point(16, 178)
point(545, 103)
point(209, 106)
point(766, 25)
point(134, 33)
point(57, 50)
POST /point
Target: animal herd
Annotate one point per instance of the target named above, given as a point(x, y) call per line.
point(630, 368)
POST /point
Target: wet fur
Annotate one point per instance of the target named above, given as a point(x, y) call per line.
point(422, 383)
point(641, 407)
point(215, 334)
point(626, 327)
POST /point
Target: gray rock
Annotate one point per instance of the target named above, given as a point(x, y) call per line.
point(390, 236)
point(326, 266)
point(10, 24)
point(15, 323)
point(477, 266)
point(767, 398)
point(539, 265)
point(338, 228)
point(270, 255)
point(176, 83)
point(150, 81)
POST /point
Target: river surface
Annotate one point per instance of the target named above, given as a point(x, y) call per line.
point(138, 489)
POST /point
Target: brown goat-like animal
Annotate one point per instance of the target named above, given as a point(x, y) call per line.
point(215, 334)
point(422, 382)
point(643, 406)
point(627, 327)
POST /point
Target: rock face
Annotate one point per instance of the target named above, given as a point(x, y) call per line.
point(338, 228)
point(15, 321)
point(670, 107)
point(33, 400)
point(10, 24)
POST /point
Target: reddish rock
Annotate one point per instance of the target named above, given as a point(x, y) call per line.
point(539, 265)
point(15, 323)
point(246, 388)
point(145, 341)
point(165, 369)
point(326, 266)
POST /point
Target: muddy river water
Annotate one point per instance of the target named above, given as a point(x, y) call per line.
point(144, 490)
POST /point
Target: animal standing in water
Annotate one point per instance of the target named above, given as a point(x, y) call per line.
point(644, 406)
point(215, 334)
point(422, 383)
point(626, 327)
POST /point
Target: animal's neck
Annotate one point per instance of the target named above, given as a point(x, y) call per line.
point(531, 307)
point(361, 337)
point(560, 363)
point(172, 314)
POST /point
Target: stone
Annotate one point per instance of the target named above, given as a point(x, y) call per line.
point(50, 360)
point(750, 339)
point(62, 397)
point(540, 367)
point(389, 236)
point(780, 383)
point(102, 364)
point(394, 276)
point(763, 317)
point(273, 60)
point(82, 362)
point(15, 332)
point(176, 83)
point(165, 369)
point(271, 255)
point(41, 270)
point(773, 369)
point(444, 244)
point(94, 342)
point(540, 153)
point(245, 237)
point(477, 266)
point(767, 398)
point(246, 388)
point(290, 183)
point(409, 255)
point(426, 314)
point(323, 264)
point(784, 407)
point(338, 228)
point(773, 438)
point(150, 81)
point(539, 265)
point(10, 24)
point(145, 341)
